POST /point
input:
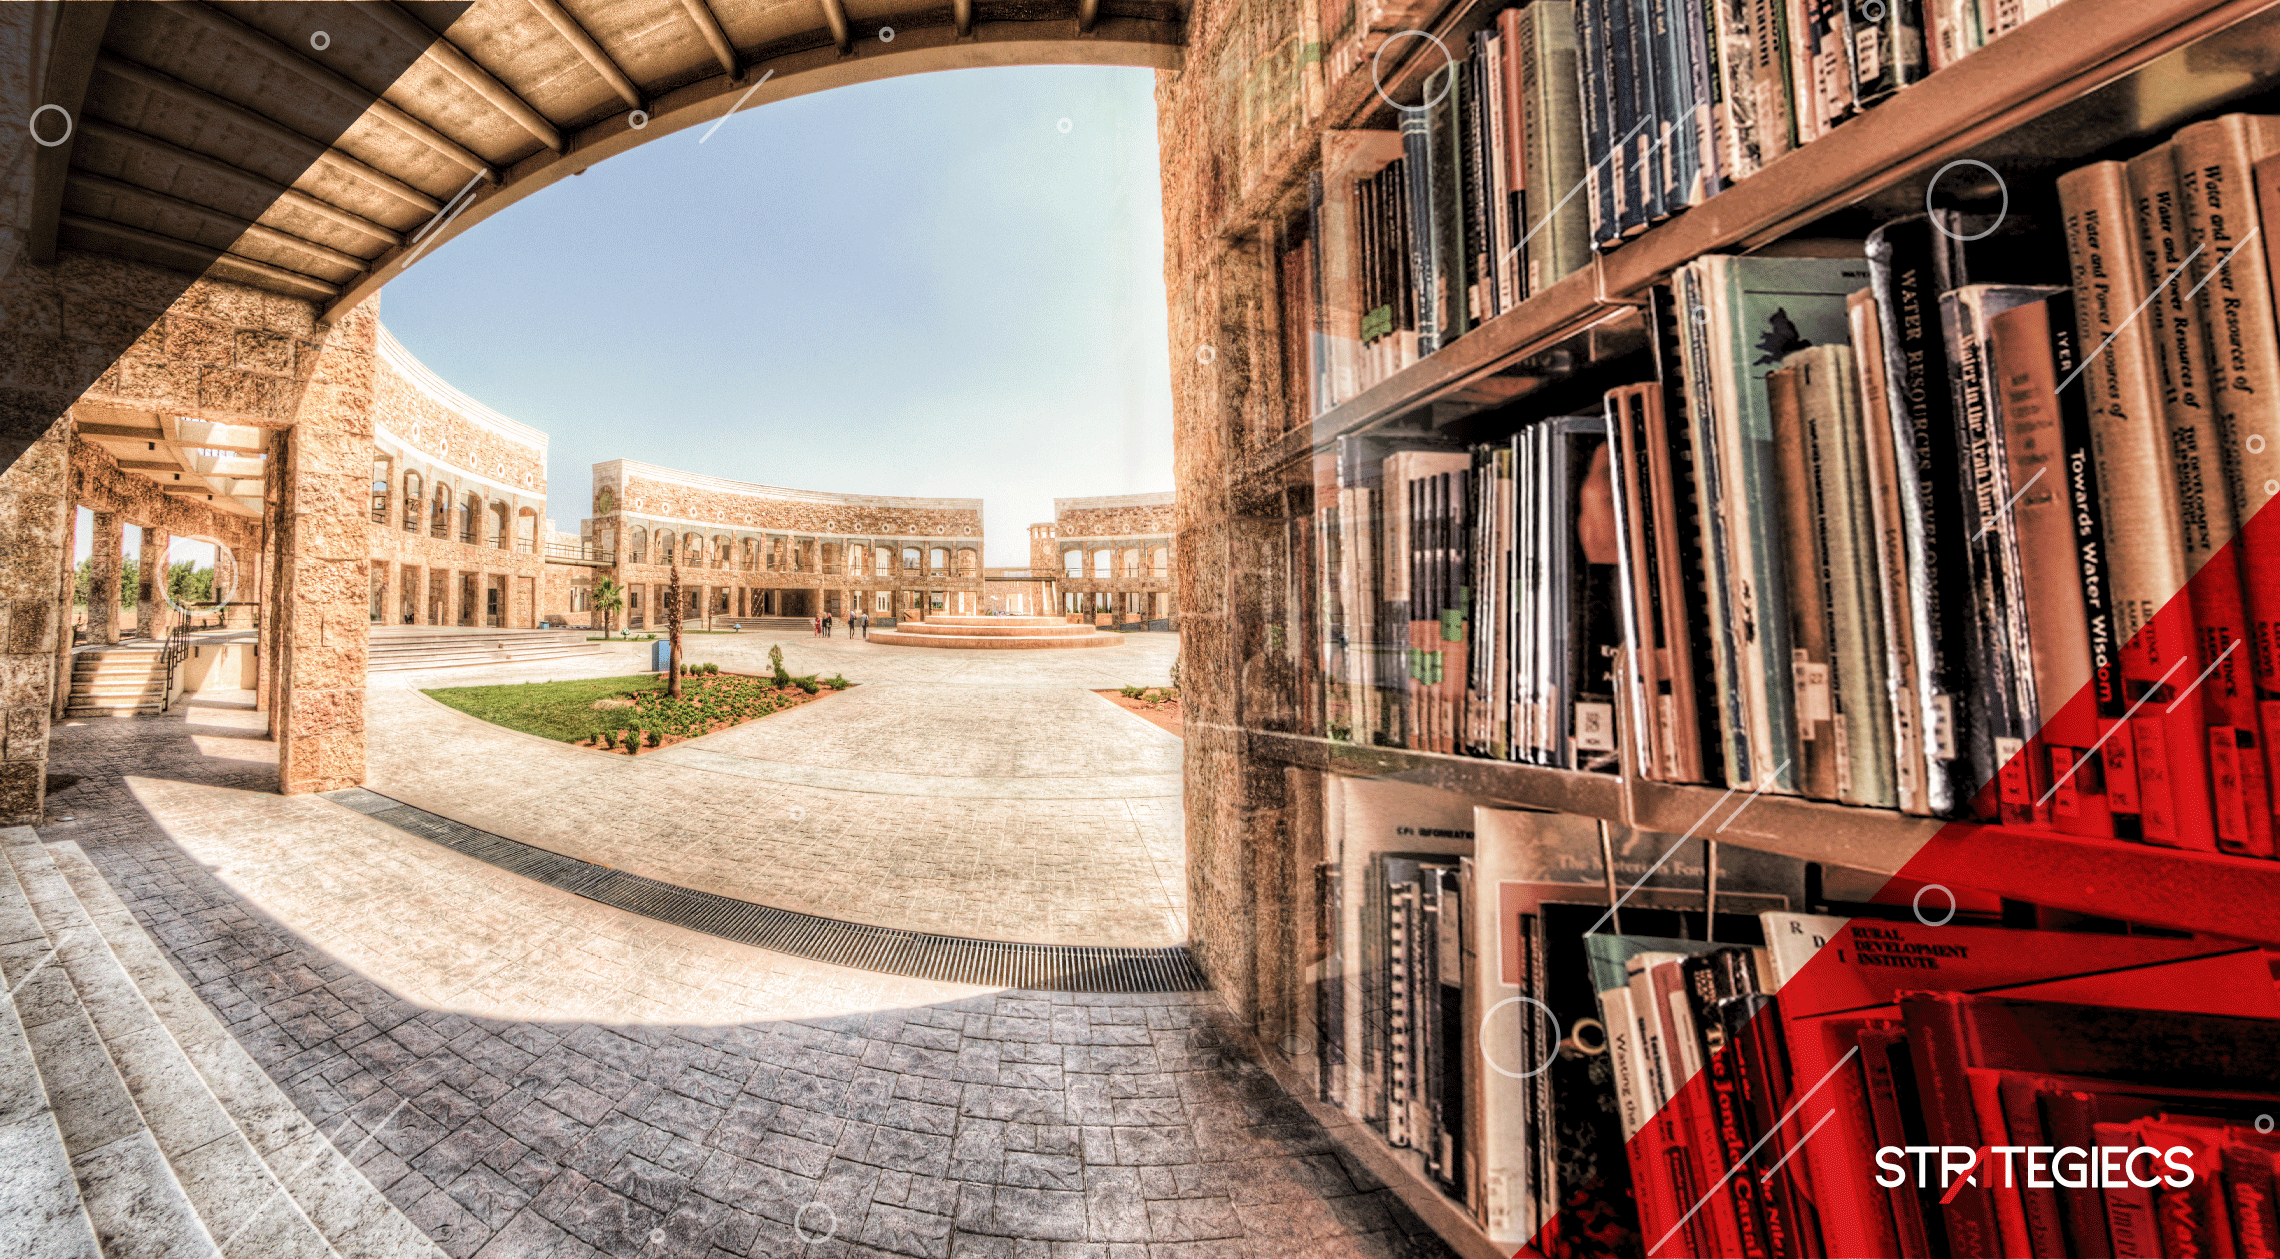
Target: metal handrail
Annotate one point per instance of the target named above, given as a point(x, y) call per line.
point(171, 654)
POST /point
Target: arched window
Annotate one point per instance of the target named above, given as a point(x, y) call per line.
point(1132, 562)
point(380, 477)
point(495, 525)
point(639, 543)
point(413, 501)
point(748, 551)
point(439, 519)
point(693, 551)
point(468, 507)
point(1073, 564)
point(910, 559)
point(1100, 563)
point(938, 559)
point(882, 561)
point(664, 546)
point(1160, 563)
point(724, 552)
point(967, 561)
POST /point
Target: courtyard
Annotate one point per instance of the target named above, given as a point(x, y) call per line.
point(520, 1071)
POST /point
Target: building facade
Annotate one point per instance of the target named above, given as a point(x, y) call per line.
point(1111, 557)
point(748, 551)
point(458, 501)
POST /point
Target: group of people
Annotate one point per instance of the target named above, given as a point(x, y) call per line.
point(858, 623)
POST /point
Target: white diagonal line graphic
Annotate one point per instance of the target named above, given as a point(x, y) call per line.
point(2093, 749)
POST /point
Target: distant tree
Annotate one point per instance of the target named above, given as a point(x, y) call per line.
point(130, 573)
point(673, 630)
point(608, 598)
point(188, 584)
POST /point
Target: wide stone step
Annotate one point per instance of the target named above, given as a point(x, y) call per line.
point(259, 1179)
point(134, 1203)
point(994, 620)
point(898, 638)
point(40, 1211)
point(1055, 629)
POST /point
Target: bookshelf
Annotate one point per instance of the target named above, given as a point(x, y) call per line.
point(2063, 74)
point(2088, 80)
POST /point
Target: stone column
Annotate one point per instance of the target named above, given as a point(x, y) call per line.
point(242, 566)
point(152, 611)
point(35, 518)
point(103, 580)
point(323, 591)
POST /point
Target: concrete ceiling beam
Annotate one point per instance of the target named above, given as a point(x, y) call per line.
point(716, 37)
point(220, 218)
point(179, 255)
point(76, 40)
point(462, 67)
point(268, 188)
point(1088, 12)
point(370, 103)
point(962, 17)
point(835, 17)
point(284, 137)
point(577, 37)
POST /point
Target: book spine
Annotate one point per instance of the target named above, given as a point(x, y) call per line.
point(1885, 489)
point(1770, 76)
point(2225, 695)
point(1808, 642)
point(2022, 1122)
point(1938, 1047)
point(1674, 103)
point(1705, 97)
point(1597, 105)
point(2115, 771)
point(2218, 171)
point(1853, 621)
point(2139, 491)
point(1728, 24)
point(2070, 1119)
point(1719, 549)
point(1642, 642)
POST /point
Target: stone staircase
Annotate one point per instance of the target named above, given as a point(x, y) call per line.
point(131, 1124)
point(772, 624)
point(394, 648)
point(123, 681)
point(996, 633)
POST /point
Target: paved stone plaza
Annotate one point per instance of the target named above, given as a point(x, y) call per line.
point(543, 1075)
point(951, 791)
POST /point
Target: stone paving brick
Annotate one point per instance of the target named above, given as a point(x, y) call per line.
point(417, 998)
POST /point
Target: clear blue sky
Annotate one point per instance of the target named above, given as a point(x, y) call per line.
point(919, 286)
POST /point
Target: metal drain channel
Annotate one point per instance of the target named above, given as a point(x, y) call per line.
point(859, 946)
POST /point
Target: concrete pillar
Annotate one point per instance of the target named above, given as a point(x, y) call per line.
point(63, 584)
point(103, 580)
point(241, 564)
point(327, 455)
point(35, 518)
point(153, 614)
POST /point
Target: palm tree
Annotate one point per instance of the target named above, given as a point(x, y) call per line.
point(608, 598)
point(673, 631)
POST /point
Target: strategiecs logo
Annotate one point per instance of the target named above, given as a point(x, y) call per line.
point(2038, 1166)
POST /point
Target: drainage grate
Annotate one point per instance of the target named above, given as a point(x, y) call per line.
point(861, 946)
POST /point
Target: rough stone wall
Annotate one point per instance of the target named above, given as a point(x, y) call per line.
point(33, 515)
point(1123, 519)
point(433, 428)
point(99, 484)
point(1241, 887)
point(857, 516)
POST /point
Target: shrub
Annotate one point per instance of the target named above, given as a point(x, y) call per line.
point(1175, 673)
point(605, 740)
point(651, 737)
point(837, 682)
point(776, 666)
point(1133, 692)
point(711, 669)
point(807, 683)
point(1154, 697)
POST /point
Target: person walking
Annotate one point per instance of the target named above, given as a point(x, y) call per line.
point(827, 625)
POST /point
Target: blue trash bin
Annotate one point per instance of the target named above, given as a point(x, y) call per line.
point(661, 656)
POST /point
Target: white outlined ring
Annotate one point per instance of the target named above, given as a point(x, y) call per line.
point(320, 35)
point(656, 1237)
point(2264, 1123)
point(637, 119)
point(2002, 210)
point(1520, 1075)
point(222, 593)
point(1205, 355)
point(1918, 905)
point(33, 125)
point(827, 1233)
point(1295, 1046)
point(1064, 126)
point(886, 34)
point(1449, 71)
point(799, 814)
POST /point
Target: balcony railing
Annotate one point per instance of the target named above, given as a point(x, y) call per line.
point(580, 553)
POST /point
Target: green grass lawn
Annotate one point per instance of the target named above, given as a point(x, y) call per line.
point(553, 710)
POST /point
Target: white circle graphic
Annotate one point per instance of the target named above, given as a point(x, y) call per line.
point(1448, 71)
point(1064, 126)
point(886, 34)
point(1918, 905)
point(34, 126)
point(807, 1239)
point(637, 119)
point(1554, 1055)
point(320, 41)
point(1205, 355)
point(2001, 210)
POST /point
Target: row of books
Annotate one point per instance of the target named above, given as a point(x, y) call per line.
point(1557, 127)
point(2083, 638)
point(1414, 237)
point(1468, 596)
point(1649, 1080)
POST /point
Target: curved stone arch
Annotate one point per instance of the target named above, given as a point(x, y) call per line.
point(723, 551)
point(522, 536)
point(937, 559)
point(1160, 563)
point(665, 541)
point(1073, 561)
point(692, 549)
point(383, 480)
point(498, 526)
point(470, 517)
point(637, 545)
point(749, 553)
point(1128, 561)
point(439, 516)
point(1102, 561)
point(969, 562)
point(414, 500)
point(226, 575)
point(923, 44)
